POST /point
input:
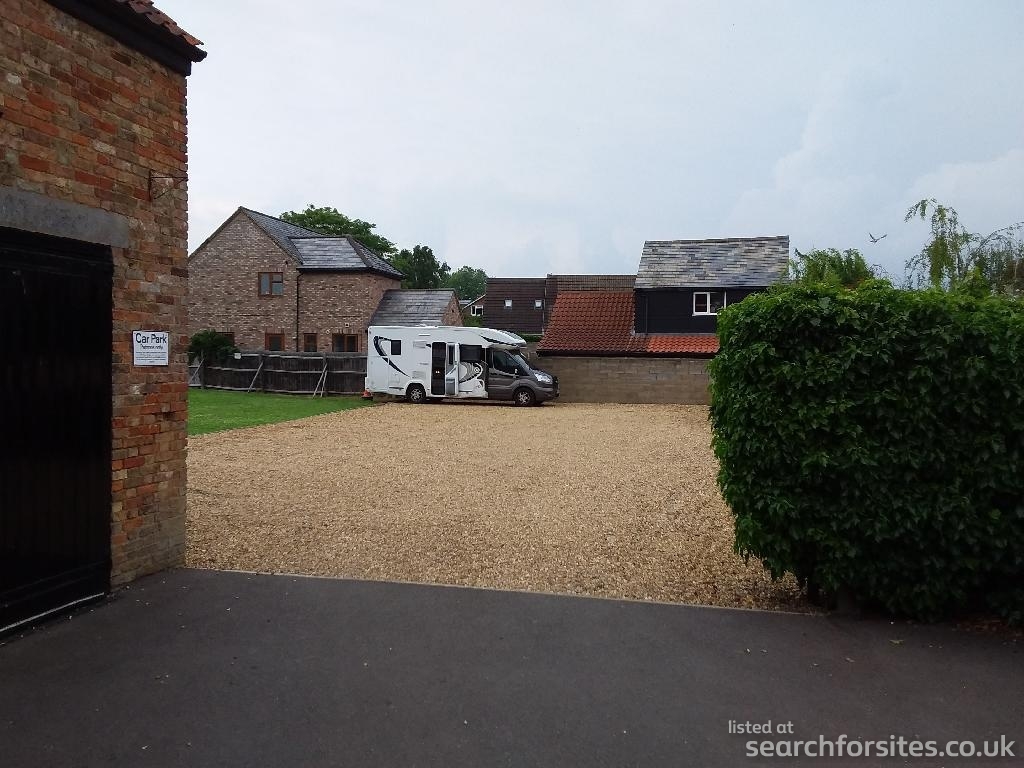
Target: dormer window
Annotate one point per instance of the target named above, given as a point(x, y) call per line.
point(271, 284)
point(708, 302)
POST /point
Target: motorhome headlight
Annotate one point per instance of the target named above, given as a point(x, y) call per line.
point(543, 378)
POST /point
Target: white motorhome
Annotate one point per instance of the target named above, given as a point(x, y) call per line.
point(449, 361)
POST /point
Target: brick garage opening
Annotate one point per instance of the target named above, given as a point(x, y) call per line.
point(92, 248)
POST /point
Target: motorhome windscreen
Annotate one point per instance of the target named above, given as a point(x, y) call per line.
point(520, 361)
point(508, 361)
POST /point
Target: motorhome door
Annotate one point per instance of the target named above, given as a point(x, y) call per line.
point(444, 369)
point(438, 358)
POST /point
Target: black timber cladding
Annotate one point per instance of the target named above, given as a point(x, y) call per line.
point(671, 311)
point(524, 316)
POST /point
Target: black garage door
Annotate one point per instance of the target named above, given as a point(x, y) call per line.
point(55, 403)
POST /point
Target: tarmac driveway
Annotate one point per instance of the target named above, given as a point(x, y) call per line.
point(208, 668)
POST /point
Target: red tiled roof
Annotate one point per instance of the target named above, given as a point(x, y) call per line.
point(694, 344)
point(601, 322)
point(146, 9)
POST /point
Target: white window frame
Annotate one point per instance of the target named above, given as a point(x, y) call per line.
point(508, 303)
point(707, 303)
point(476, 310)
point(538, 303)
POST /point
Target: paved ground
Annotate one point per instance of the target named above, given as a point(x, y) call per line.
point(204, 668)
point(608, 500)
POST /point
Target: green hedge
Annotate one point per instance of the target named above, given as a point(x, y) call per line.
point(872, 441)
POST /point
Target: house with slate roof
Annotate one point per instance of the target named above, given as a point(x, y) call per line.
point(682, 284)
point(672, 306)
point(276, 286)
point(649, 341)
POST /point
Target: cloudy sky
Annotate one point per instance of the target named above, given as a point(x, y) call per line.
point(536, 137)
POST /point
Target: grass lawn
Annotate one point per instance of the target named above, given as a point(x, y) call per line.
point(213, 410)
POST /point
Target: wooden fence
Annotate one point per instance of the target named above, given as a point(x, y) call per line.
point(291, 373)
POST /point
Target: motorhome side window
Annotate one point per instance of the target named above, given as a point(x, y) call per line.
point(396, 347)
point(502, 362)
point(471, 353)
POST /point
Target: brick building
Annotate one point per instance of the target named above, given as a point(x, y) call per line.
point(276, 286)
point(92, 253)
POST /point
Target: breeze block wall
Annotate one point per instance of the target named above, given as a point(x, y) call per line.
point(224, 285)
point(85, 121)
point(628, 379)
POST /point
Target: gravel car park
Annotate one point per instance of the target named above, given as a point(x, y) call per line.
point(604, 500)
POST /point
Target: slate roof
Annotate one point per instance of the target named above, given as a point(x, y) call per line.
point(740, 262)
point(313, 251)
point(601, 323)
point(412, 307)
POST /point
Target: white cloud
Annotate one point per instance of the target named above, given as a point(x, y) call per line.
point(988, 194)
point(536, 136)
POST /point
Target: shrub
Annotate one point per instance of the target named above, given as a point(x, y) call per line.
point(872, 440)
point(211, 346)
point(847, 268)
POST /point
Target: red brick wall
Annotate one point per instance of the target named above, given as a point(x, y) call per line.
point(453, 315)
point(85, 120)
point(224, 290)
point(340, 303)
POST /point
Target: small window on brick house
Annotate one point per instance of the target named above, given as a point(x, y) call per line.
point(274, 342)
point(508, 303)
point(309, 342)
point(345, 342)
point(229, 336)
point(271, 284)
point(477, 311)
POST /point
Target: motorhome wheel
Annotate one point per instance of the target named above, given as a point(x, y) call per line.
point(417, 394)
point(524, 396)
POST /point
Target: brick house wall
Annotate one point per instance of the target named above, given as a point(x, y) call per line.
point(85, 121)
point(224, 292)
point(340, 302)
point(628, 379)
point(453, 315)
point(224, 285)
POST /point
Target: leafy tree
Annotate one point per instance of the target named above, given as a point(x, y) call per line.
point(421, 268)
point(332, 223)
point(211, 346)
point(830, 266)
point(467, 282)
point(957, 259)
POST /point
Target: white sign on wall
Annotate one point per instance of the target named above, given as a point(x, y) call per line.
point(151, 347)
